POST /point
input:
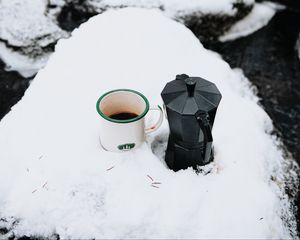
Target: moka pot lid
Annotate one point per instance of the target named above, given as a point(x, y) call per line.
point(189, 95)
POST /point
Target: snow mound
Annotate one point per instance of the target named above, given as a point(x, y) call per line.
point(259, 17)
point(56, 179)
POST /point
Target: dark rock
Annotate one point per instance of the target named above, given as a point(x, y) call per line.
point(3, 231)
point(74, 13)
point(12, 88)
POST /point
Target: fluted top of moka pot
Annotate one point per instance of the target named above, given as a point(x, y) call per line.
point(187, 95)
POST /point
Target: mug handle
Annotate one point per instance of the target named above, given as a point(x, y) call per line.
point(159, 121)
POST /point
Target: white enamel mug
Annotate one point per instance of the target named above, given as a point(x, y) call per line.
point(119, 134)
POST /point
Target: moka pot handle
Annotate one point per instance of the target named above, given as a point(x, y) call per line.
point(203, 120)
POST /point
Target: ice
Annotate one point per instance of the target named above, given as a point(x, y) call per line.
point(56, 179)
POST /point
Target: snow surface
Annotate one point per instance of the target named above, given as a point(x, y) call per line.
point(259, 17)
point(55, 178)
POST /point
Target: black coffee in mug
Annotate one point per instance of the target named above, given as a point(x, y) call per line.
point(123, 116)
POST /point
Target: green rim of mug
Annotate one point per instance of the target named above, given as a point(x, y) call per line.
point(122, 121)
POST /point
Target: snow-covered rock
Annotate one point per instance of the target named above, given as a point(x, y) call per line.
point(25, 24)
point(27, 30)
point(208, 19)
point(26, 65)
point(173, 8)
point(55, 178)
point(259, 17)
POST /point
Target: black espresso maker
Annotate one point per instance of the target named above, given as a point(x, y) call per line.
point(191, 104)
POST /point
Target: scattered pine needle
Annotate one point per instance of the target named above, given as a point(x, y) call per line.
point(44, 185)
point(154, 186)
point(34, 191)
point(41, 157)
point(110, 168)
point(156, 183)
point(150, 178)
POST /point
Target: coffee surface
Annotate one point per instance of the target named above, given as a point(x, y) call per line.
point(123, 116)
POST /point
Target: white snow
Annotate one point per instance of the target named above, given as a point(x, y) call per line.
point(53, 175)
point(259, 17)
